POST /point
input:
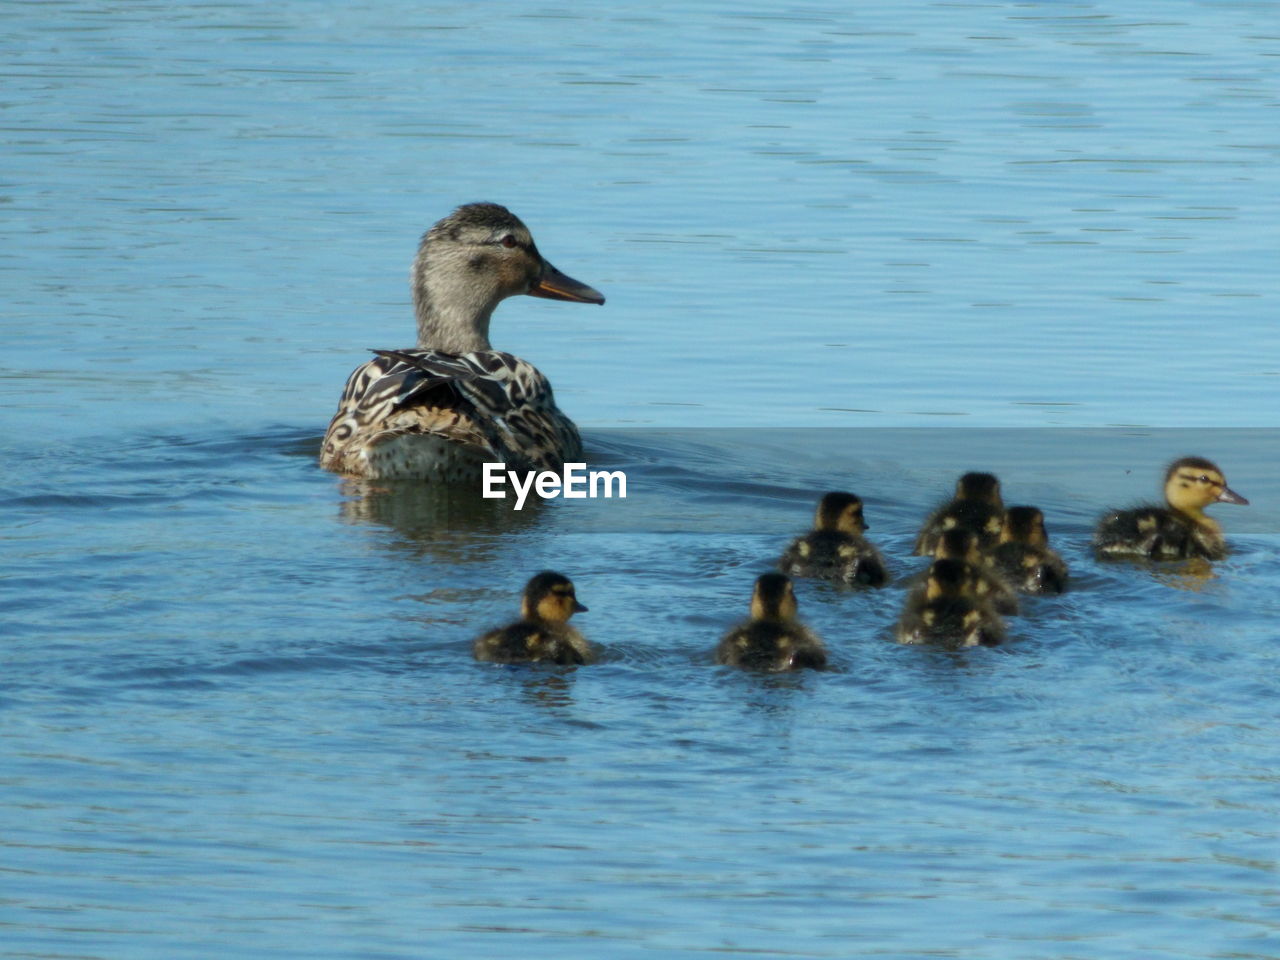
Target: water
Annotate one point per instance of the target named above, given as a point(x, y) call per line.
point(864, 248)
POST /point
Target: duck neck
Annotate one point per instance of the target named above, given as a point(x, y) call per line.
point(1201, 519)
point(453, 316)
point(456, 328)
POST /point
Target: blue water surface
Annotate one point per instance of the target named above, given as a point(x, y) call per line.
point(844, 246)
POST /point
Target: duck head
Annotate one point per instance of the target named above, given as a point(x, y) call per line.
point(773, 598)
point(981, 487)
point(550, 596)
point(1024, 525)
point(841, 512)
point(1192, 483)
point(471, 261)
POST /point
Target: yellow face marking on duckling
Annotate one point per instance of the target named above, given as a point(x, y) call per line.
point(558, 604)
point(1193, 483)
point(851, 520)
point(1192, 491)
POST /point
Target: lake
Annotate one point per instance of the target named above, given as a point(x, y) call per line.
point(844, 247)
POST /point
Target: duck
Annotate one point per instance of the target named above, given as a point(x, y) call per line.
point(977, 506)
point(986, 582)
point(835, 549)
point(773, 639)
point(948, 611)
point(440, 410)
point(1023, 556)
point(542, 634)
point(1181, 529)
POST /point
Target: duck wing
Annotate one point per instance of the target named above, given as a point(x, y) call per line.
point(495, 405)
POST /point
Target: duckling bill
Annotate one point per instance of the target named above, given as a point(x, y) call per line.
point(835, 549)
point(542, 634)
point(1179, 530)
point(440, 410)
point(773, 639)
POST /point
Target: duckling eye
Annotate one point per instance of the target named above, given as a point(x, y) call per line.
point(508, 241)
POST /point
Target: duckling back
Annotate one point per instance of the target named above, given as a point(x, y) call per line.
point(773, 639)
point(1023, 556)
point(1156, 533)
point(532, 641)
point(834, 555)
point(947, 611)
point(835, 549)
point(771, 646)
point(976, 507)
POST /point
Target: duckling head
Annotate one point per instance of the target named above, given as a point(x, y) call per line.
point(982, 487)
point(958, 543)
point(946, 578)
point(1024, 525)
point(841, 512)
point(773, 598)
point(550, 596)
point(471, 261)
point(1192, 483)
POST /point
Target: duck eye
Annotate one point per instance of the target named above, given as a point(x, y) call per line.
point(508, 241)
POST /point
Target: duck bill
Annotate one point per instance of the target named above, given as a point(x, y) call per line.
point(554, 285)
point(1230, 496)
point(579, 607)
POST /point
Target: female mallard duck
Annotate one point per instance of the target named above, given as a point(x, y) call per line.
point(542, 634)
point(1023, 556)
point(773, 639)
point(835, 549)
point(1178, 531)
point(977, 506)
point(453, 403)
point(947, 610)
point(986, 581)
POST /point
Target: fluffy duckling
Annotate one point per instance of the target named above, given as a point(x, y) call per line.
point(441, 409)
point(1023, 556)
point(542, 634)
point(835, 549)
point(773, 639)
point(948, 611)
point(986, 581)
point(976, 506)
point(1178, 531)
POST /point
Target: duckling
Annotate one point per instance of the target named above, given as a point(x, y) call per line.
point(835, 548)
point(976, 506)
point(542, 634)
point(773, 639)
point(1023, 555)
point(948, 611)
point(1178, 531)
point(986, 581)
point(441, 410)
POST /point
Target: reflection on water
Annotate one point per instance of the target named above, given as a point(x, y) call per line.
point(451, 524)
